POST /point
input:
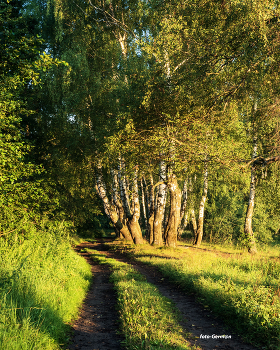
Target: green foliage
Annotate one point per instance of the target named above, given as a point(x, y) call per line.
point(224, 217)
point(226, 207)
point(267, 211)
point(42, 285)
point(23, 194)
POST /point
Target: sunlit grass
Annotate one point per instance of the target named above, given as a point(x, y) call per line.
point(242, 289)
point(42, 285)
point(148, 320)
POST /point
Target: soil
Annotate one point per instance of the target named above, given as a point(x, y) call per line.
point(97, 327)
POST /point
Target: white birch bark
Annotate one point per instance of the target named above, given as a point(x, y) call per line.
point(133, 220)
point(194, 223)
point(248, 230)
point(174, 214)
point(183, 214)
point(110, 210)
point(116, 197)
point(159, 206)
point(184, 199)
point(199, 232)
point(132, 210)
point(144, 203)
point(123, 187)
point(192, 212)
point(151, 216)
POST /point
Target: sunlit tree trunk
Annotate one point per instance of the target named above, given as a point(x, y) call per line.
point(192, 212)
point(123, 187)
point(159, 206)
point(174, 214)
point(116, 198)
point(132, 211)
point(248, 230)
point(183, 216)
point(144, 203)
point(166, 212)
point(133, 220)
point(109, 208)
point(151, 206)
point(199, 232)
point(194, 223)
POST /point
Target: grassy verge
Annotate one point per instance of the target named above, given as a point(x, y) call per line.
point(241, 289)
point(42, 285)
point(148, 320)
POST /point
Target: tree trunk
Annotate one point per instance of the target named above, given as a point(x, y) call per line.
point(110, 209)
point(159, 206)
point(166, 213)
point(123, 187)
point(151, 216)
point(184, 199)
point(174, 214)
point(183, 223)
point(144, 204)
point(194, 223)
point(132, 211)
point(117, 200)
point(192, 212)
point(199, 232)
point(252, 248)
point(133, 220)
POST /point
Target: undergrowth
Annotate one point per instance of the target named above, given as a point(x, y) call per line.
point(241, 289)
point(42, 284)
point(148, 320)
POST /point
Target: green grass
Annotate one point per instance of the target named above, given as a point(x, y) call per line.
point(241, 289)
point(42, 284)
point(148, 320)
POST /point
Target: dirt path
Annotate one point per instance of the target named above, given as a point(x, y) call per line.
point(96, 328)
point(195, 319)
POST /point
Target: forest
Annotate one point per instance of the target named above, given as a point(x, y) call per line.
point(153, 122)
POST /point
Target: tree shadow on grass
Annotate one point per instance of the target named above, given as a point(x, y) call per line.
point(240, 318)
point(26, 308)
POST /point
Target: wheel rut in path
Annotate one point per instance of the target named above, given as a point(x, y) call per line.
point(96, 327)
point(195, 319)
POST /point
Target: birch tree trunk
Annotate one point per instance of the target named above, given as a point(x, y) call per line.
point(174, 214)
point(117, 199)
point(183, 223)
point(166, 210)
point(123, 187)
point(159, 207)
point(151, 216)
point(110, 210)
point(133, 220)
point(199, 232)
point(132, 211)
point(144, 203)
point(252, 248)
point(194, 223)
point(192, 212)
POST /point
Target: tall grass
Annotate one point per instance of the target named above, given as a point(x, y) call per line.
point(42, 284)
point(241, 289)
